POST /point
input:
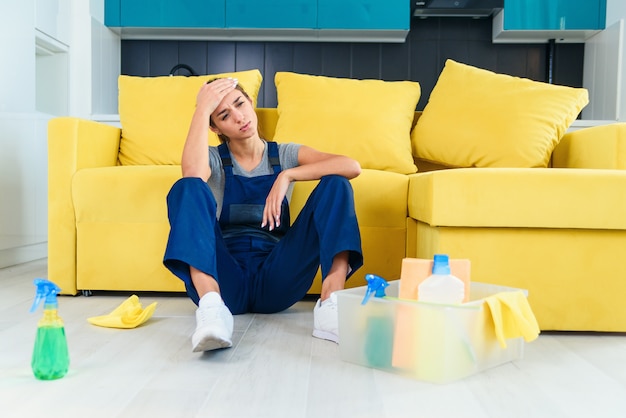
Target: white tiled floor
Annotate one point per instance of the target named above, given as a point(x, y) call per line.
point(276, 369)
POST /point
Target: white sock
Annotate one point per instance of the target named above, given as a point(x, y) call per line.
point(211, 299)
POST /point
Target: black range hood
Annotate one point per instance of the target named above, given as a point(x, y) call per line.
point(455, 8)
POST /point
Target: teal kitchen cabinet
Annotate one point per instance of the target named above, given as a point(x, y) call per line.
point(554, 14)
point(271, 14)
point(318, 14)
point(368, 14)
point(541, 20)
point(165, 13)
point(262, 20)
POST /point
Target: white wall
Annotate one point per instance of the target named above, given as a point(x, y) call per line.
point(58, 60)
point(94, 62)
point(22, 144)
point(615, 11)
point(604, 73)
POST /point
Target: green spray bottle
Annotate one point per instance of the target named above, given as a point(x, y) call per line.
point(51, 359)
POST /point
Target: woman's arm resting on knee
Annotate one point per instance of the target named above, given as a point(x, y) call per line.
point(314, 164)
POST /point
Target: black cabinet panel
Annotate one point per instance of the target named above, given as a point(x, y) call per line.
point(421, 58)
point(278, 57)
point(307, 58)
point(193, 54)
point(395, 62)
point(425, 67)
point(221, 57)
point(162, 55)
point(366, 59)
point(568, 67)
point(249, 55)
point(135, 58)
point(337, 60)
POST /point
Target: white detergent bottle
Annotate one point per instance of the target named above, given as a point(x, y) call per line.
point(441, 286)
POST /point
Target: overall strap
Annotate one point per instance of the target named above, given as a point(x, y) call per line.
point(272, 152)
point(227, 161)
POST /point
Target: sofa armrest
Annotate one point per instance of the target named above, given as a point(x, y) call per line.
point(601, 147)
point(73, 144)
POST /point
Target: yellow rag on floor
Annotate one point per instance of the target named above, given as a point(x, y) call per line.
point(512, 317)
point(129, 314)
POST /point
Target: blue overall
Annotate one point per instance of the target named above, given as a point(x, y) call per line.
point(258, 270)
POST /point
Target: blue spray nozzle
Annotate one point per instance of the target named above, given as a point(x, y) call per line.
point(441, 264)
point(46, 290)
point(375, 285)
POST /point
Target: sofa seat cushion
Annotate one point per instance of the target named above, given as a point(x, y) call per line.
point(517, 197)
point(122, 209)
point(155, 113)
point(368, 120)
point(123, 194)
point(477, 118)
point(122, 227)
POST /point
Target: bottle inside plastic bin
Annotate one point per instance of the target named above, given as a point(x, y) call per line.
point(441, 286)
point(50, 355)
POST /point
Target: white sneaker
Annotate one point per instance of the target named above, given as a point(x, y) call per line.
point(326, 319)
point(214, 324)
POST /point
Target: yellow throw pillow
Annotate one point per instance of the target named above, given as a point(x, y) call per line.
point(477, 118)
point(368, 120)
point(155, 113)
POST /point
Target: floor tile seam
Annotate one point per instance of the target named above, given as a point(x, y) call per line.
point(243, 335)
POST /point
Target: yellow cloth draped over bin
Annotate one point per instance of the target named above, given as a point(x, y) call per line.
point(512, 317)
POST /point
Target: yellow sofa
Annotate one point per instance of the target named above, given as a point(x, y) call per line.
point(108, 223)
point(107, 186)
point(559, 232)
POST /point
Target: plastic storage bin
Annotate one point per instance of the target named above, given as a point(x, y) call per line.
point(424, 341)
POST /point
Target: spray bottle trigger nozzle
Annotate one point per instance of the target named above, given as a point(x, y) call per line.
point(375, 285)
point(46, 290)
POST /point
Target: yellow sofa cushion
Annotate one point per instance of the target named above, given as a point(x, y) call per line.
point(155, 113)
point(477, 118)
point(518, 197)
point(368, 120)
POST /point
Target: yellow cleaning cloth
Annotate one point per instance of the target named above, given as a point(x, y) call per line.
point(512, 317)
point(129, 314)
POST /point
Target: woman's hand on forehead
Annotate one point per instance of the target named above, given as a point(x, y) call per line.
point(212, 93)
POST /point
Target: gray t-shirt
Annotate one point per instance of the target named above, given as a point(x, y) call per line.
point(287, 154)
